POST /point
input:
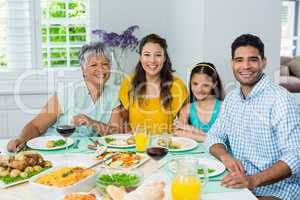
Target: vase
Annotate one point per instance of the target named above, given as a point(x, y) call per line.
point(119, 62)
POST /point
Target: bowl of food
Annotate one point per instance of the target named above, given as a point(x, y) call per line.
point(61, 180)
point(79, 196)
point(125, 180)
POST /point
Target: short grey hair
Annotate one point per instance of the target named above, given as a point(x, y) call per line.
point(93, 49)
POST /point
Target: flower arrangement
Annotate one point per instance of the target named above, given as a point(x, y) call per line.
point(119, 45)
point(126, 40)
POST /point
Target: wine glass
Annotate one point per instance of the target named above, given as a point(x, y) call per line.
point(156, 151)
point(65, 128)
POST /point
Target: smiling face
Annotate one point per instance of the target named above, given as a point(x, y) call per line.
point(97, 70)
point(247, 66)
point(202, 86)
point(152, 59)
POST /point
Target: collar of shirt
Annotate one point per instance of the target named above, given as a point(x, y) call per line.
point(257, 89)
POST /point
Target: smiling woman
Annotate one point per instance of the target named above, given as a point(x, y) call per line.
point(152, 96)
point(91, 105)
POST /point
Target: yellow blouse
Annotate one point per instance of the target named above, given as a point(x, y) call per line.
point(150, 112)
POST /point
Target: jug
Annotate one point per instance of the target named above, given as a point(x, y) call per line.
point(187, 184)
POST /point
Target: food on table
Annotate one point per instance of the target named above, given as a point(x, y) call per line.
point(120, 141)
point(21, 166)
point(171, 145)
point(79, 196)
point(200, 171)
point(55, 143)
point(124, 180)
point(122, 159)
point(65, 176)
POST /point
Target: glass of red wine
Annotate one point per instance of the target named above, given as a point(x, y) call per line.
point(156, 151)
point(65, 129)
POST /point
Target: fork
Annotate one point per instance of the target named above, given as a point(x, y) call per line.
point(76, 144)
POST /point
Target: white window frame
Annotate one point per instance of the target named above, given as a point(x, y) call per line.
point(37, 75)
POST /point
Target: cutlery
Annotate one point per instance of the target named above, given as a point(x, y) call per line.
point(97, 163)
point(76, 144)
point(21, 147)
point(94, 141)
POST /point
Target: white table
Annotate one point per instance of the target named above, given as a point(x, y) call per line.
point(23, 191)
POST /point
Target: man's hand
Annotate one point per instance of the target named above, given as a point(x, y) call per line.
point(232, 164)
point(81, 119)
point(13, 145)
point(238, 180)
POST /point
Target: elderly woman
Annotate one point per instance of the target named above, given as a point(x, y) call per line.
point(91, 105)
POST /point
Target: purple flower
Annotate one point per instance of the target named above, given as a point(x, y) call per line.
point(126, 40)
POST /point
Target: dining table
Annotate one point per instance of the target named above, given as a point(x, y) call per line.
point(152, 171)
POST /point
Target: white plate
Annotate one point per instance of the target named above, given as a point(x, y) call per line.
point(121, 137)
point(145, 158)
point(208, 162)
point(39, 143)
point(185, 143)
point(71, 159)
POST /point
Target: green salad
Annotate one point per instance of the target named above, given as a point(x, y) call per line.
point(119, 180)
point(58, 143)
point(109, 140)
point(200, 171)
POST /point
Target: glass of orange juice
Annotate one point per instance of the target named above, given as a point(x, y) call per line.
point(142, 139)
point(187, 185)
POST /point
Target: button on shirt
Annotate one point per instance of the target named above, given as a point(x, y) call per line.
point(259, 130)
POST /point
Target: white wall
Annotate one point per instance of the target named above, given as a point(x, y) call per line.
point(224, 20)
point(196, 30)
point(199, 30)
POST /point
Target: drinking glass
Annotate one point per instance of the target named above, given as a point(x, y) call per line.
point(65, 128)
point(142, 139)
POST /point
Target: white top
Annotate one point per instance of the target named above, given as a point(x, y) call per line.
point(75, 99)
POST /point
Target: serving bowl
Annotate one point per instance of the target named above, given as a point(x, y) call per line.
point(126, 180)
point(53, 192)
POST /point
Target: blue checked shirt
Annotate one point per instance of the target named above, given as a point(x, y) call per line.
point(260, 130)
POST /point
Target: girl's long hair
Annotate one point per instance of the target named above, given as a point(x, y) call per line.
point(166, 78)
point(210, 70)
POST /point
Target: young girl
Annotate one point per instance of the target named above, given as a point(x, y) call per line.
point(206, 94)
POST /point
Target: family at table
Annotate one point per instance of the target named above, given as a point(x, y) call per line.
point(254, 131)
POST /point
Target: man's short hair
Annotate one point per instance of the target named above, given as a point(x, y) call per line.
point(248, 40)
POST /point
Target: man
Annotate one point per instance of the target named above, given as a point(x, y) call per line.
point(257, 135)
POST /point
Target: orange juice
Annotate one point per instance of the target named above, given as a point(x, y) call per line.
point(186, 188)
point(141, 141)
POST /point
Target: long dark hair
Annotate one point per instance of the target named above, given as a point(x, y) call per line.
point(210, 70)
point(166, 78)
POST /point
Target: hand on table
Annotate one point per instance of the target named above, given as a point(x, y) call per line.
point(14, 145)
point(232, 164)
point(238, 180)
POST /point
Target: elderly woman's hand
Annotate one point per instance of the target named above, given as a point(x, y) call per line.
point(82, 119)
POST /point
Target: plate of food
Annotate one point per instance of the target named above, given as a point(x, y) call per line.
point(116, 183)
point(123, 159)
point(49, 143)
point(177, 144)
point(214, 167)
point(21, 167)
point(61, 180)
point(119, 140)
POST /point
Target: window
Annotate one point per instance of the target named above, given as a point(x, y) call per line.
point(3, 33)
point(290, 43)
point(43, 33)
point(64, 30)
